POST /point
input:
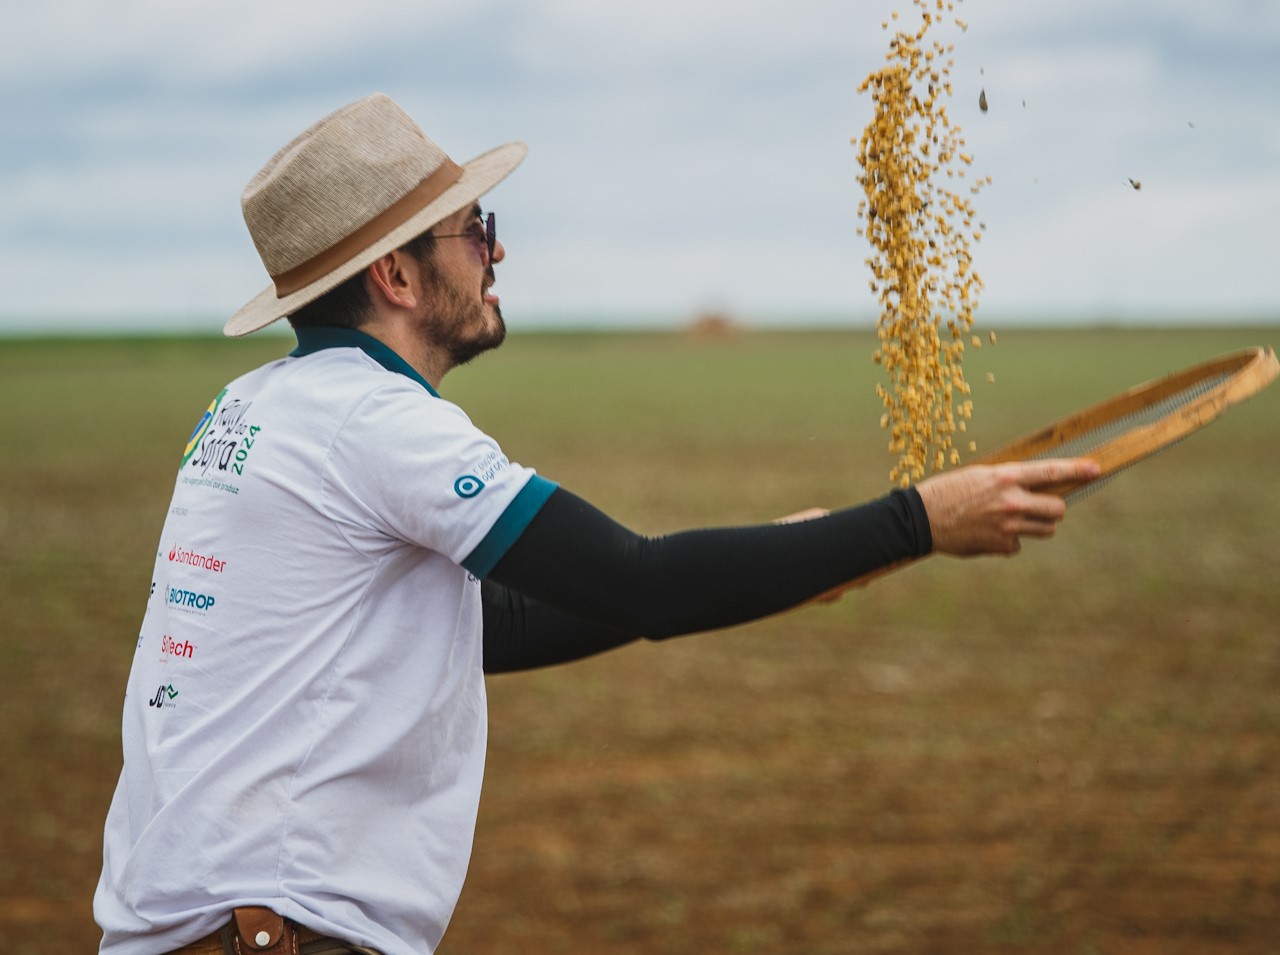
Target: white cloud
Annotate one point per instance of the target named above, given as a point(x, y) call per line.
point(683, 155)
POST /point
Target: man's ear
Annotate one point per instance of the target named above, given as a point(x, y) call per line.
point(394, 279)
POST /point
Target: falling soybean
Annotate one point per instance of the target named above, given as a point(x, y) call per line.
point(921, 262)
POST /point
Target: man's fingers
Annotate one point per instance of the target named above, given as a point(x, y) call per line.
point(1033, 474)
point(1032, 527)
point(1040, 507)
point(985, 509)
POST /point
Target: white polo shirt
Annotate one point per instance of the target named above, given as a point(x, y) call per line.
point(304, 725)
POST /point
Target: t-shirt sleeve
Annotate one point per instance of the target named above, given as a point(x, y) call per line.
point(414, 467)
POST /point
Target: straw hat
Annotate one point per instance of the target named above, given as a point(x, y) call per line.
point(359, 183)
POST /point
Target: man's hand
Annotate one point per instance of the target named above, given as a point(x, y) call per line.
point(984, 509)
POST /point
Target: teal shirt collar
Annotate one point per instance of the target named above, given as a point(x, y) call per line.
point(318, 338)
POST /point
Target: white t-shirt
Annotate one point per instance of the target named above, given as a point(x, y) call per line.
point(304, 725)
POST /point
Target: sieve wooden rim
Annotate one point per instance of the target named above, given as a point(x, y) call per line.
point(1249, 372)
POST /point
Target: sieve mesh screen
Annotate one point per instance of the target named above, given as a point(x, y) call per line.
point(1094, 438)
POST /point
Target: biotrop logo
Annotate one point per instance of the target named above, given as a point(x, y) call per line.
point(190, 599)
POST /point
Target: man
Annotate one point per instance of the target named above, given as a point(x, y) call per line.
point(345, 554)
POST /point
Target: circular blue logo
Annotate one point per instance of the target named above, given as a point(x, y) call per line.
point(468, 486)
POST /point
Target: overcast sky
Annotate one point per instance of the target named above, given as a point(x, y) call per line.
point(684, 154)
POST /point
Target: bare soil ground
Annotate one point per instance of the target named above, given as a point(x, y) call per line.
point(1077, 751)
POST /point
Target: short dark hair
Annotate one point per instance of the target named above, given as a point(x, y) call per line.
point(348, 305)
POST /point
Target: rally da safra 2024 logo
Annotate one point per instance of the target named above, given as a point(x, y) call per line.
point(222, 439)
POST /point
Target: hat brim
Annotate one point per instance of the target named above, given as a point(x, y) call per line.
point(478, 177)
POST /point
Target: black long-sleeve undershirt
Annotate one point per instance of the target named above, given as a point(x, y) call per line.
point(577, 582)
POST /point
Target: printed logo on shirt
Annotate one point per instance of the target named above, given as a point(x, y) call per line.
point(180, 555)
point(170, 647)
point(485, 470)
point(151, 593)
point(165, 695)
point(490, 466)
point(220, 447)
point(468, 486)
point(190, 601)
point(202, 426)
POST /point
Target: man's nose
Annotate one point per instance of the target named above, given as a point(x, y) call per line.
point(499, 251)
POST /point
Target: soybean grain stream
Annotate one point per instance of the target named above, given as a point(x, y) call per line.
point(1074, 751)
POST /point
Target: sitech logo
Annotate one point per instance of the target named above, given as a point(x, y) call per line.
point(179, 555)
point(172, 648)
point(190, 600)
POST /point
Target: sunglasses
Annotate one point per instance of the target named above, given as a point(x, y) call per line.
point(489, 235)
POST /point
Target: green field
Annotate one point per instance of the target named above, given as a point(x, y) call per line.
point(1075, 751)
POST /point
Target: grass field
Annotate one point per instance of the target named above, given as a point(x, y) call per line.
point(1076, 751)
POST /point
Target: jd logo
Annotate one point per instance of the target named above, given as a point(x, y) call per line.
point(165, 690)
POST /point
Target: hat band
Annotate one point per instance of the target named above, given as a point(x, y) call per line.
point(396, 214)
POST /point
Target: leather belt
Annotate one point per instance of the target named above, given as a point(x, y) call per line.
point(254, 930)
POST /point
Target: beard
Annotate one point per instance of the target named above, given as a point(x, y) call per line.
point(461, 325)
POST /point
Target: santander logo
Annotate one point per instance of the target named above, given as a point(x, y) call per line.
point(178, 555)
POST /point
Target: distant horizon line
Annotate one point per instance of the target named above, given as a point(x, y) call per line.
point(112, 324)
point(97, 328)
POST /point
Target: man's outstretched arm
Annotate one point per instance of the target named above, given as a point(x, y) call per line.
point(576, 582)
